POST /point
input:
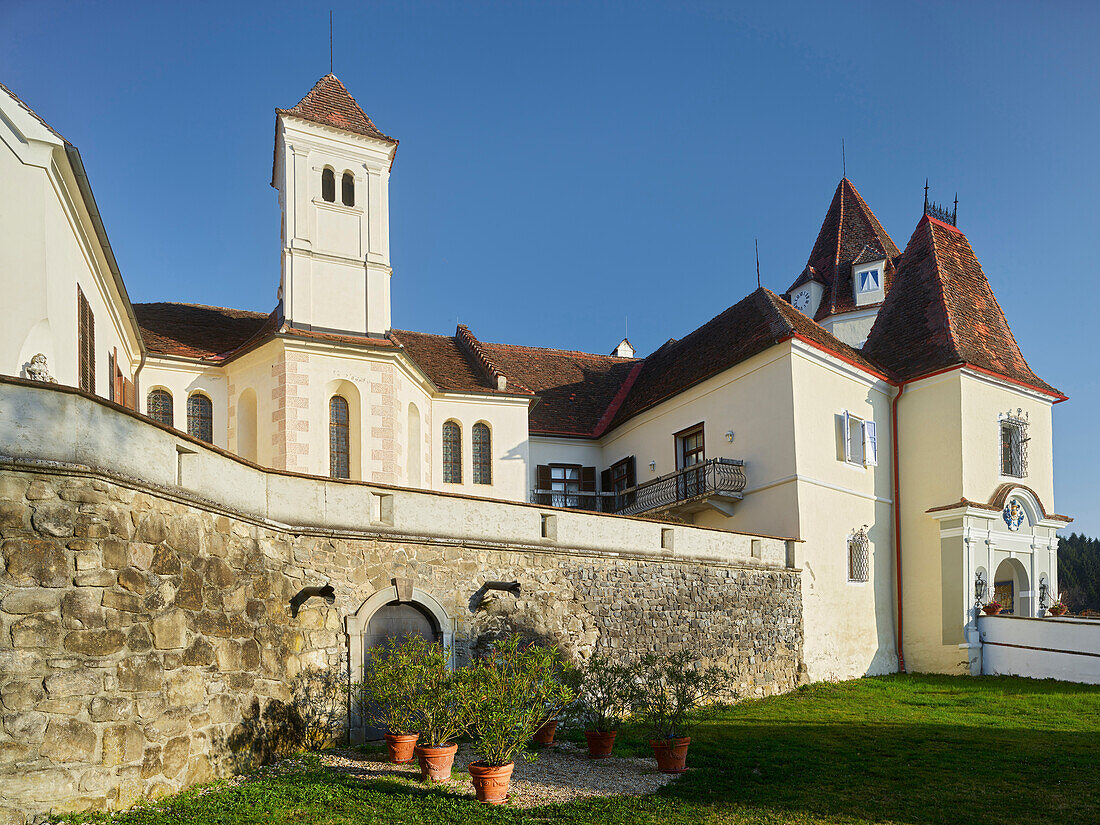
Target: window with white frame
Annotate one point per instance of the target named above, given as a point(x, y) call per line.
point(860, 440)
point(859, 551)
point(869, 280)
point(1014, 445)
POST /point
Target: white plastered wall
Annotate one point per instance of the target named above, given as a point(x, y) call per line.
point(182, 378)
point(507, 420)
point(48, 246)
point(753, 400)
point(849, 626)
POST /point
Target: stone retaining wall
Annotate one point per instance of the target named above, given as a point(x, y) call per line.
point(146, 641)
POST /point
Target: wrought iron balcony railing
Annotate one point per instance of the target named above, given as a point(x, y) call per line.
point(716, 477)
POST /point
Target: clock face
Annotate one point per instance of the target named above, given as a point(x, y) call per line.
point(802, 300)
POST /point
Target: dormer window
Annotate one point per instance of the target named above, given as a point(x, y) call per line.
point(869, 280)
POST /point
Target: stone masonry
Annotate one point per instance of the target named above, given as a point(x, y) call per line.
point(146, 641)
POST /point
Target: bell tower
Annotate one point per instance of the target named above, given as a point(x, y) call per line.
point(332, 168)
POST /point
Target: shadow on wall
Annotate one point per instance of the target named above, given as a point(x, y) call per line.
point(266, 732)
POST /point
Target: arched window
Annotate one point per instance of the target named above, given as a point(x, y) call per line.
point(482, 441)
point(347, 189)
point(452, 453)
point(339, 438)
point(328, 185)
point(158, 406)
point(200, 418)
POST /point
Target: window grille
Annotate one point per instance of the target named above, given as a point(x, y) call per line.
point(452, 453)
point(858, 556)
point(339, 438)
point(159, 407)
point(347, 189)
point(482, 441)
point(1014, 441)
point(85, 342)
point(200, 418)
point(328, 186)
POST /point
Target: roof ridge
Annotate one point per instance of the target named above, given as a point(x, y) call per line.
point(467, 341)
point(200, 306)
point(563, 351)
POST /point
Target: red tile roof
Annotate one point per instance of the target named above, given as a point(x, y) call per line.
point(849, 228)
point(197, 331)
point(449, 365)
point(942, 313)
point(749, 327)
point(576, 390)
point(330, 104)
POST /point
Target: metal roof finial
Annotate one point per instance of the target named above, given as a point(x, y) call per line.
point(756, 243)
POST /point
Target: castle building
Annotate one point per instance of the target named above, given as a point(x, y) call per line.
point(879, 414)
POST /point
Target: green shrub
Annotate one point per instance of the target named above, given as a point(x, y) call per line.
point(665, 688)
point(441, 704)
point(389, 684)
point(604, 691)
point(514, 690)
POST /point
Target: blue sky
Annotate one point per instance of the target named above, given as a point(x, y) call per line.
point(565, 167)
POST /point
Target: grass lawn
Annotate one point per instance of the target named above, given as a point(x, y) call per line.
point(912, 749)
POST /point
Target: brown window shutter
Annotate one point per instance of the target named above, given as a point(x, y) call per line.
point(129, 396)
point(85, 343)
point(605, 481)
point(588, 479)
point(542, 477)
point(631, 473)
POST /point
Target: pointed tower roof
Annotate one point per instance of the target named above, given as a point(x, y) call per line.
point(850, 230)
point(330, 104)
point(942, 313)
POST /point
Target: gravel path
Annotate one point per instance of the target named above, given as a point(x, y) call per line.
point(563, 772)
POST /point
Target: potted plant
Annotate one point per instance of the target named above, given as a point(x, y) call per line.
point(440, 711)
point(665, 689)
point(384, 696)
point(1058, 608)
point(545, 734)
point(603, 697)
point(991, 608)
point(513, 690)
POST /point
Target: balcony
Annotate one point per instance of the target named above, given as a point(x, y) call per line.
point(714, 484)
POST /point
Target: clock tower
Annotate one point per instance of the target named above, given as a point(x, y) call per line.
point(332, 168)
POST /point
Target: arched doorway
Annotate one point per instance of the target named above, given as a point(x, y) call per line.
point(392, 611)
point(1011, 588)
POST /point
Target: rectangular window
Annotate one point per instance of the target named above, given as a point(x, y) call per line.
point(689, 447)
point(860, 440)
point(618, 478)
point(869, 280)
point(1014, 447)
point(690, 452)
point(85, 342)
point(858, 557)
point(566, 485)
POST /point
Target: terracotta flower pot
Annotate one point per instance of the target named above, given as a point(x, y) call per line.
point(1058, 611)
point(991, 611)
point(401, 746)
point(435, 763)
point(671, 754)
point(545, 734)
point(491, 781)
point(600, 743)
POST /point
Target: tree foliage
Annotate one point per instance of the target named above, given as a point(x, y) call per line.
point(1079, 572)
